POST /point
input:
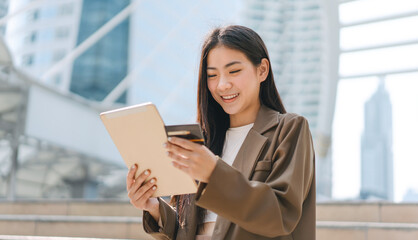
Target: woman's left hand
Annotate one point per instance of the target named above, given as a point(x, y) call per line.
point(192, 158)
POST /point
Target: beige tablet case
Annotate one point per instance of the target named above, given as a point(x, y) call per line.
point(139, 134)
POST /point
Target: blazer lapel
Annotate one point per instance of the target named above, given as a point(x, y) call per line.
point(221, 228)
point(244, 162)
point(249, 152)
point(254, 142)
point(248, 155)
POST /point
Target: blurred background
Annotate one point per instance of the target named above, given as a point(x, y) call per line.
point(349, 66)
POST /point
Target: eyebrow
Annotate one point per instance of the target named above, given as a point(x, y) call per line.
point(227, 65)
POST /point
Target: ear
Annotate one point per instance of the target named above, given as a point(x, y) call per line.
point(263, 70)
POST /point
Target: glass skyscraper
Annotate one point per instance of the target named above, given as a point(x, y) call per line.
point(376, 147)
point(98, 70)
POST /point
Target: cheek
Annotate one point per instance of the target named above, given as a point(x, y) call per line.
point(212, 86)
point(246, 82)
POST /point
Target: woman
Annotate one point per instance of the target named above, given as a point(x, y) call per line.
point(263, 186)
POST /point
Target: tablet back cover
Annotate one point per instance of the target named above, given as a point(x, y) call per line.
point(139, 133)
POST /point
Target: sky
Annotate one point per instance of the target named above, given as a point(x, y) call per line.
point(353, 93)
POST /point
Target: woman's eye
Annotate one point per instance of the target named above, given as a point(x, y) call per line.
point(211, 75)
point(235, 71)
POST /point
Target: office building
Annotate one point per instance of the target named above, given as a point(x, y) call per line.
point(376, 147)
point(303, 49)
point(42, 36)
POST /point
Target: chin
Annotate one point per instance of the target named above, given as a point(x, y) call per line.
point(229, 110)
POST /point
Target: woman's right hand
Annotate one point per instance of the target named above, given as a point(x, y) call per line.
point(140, 192)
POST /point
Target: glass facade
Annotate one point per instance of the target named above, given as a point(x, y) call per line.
point(98, 70)
point(3, 12)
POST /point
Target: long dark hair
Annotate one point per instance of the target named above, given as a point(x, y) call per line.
point(210, 115)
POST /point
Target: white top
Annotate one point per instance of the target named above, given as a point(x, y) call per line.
point(233, 141)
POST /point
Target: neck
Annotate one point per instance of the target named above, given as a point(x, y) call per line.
point(244, 118)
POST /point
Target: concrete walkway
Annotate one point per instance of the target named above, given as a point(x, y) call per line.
point(119, 220)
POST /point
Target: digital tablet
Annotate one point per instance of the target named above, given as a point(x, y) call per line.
point(139, 134)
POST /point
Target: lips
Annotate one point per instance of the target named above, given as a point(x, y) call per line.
point(229, 98)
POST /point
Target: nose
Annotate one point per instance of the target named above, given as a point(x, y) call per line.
point(224, 84)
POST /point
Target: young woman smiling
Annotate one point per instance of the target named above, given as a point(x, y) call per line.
point(256, 172)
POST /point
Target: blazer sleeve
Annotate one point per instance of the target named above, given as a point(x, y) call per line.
point(271, 208)
point(168, 219)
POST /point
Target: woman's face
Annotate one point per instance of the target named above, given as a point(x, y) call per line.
point(234, 81)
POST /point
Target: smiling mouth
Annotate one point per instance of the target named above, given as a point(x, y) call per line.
point(229, 97)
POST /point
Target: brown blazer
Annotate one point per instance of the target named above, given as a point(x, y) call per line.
point(268, 193)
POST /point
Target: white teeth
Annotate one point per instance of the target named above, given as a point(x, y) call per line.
point(230, 96)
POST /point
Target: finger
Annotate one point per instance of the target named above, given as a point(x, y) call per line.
point(148, 194)
point(180, 166)
point(178, 150)
point(138, 182)
point(143, 189)
point(184, 143)
point(130, 178)
point(179, 159)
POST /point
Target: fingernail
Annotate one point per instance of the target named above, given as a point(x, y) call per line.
point(152, 180)
point(168, 153)
point(155, 187)
point(147, 172)
point(133, 166)
point(169, 139)
point(165, 145)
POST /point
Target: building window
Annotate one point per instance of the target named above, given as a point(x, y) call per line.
point(46, 35)
point(33, 15)
point(31, 38)
point(62, 33)
point(27, 60)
